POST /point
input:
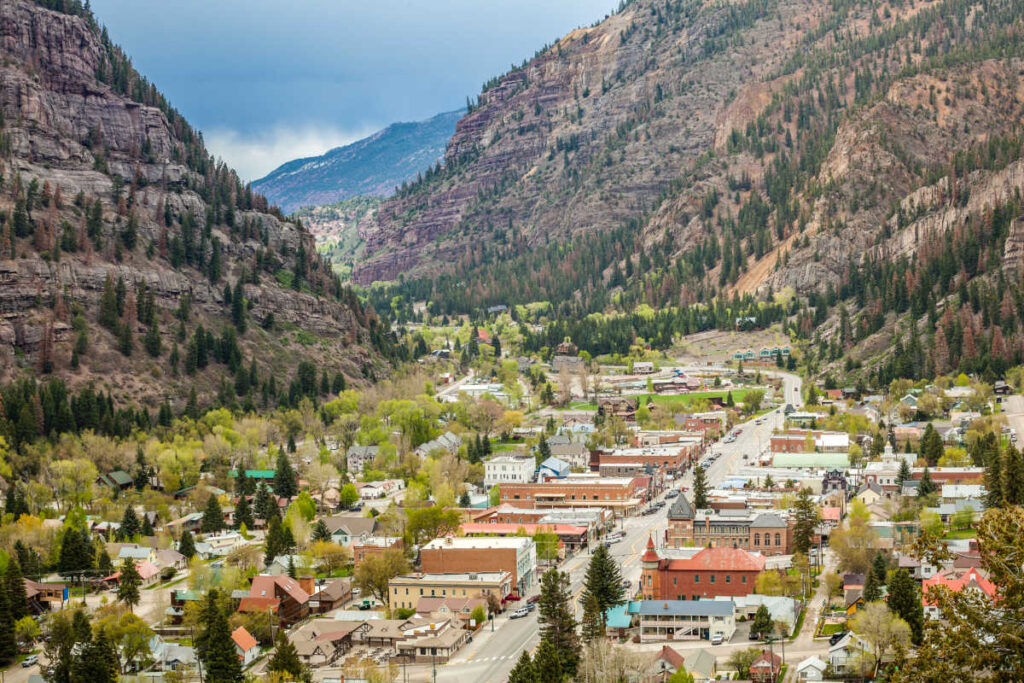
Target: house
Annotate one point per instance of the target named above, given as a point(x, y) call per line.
point(283, 563)
point(136, 553)
point(847, 653)
point(811, 669)
point(643, 367)
point(973, 579)
point(783, 610)
point(684, 619)
point(665, 664)
point(909, 401)
point(503, 469)
point(702, 665)
point(765, 667)
point(374, 545)
point(576, 454)
point(246, 646)
point(43, 597)
point(695, 573)
point(219, 545)
point(118, 480)
point(869, 494)
point(553, 467)
point(292, 600)
point(346, 529)
point(449, 608)
point(620, 407)
point(357, 458)
point(171, 657)
point(333, 594)
point(447, 442)
point(1001, 388)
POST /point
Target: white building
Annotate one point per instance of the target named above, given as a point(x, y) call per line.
point(509, 469)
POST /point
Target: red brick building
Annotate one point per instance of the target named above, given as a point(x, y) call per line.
point(374, 545)
point(516, 555)
point(693, 574)
point(622, 494)
point(764, 532)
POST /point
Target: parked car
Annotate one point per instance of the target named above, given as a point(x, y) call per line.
point(836, 637)
point(533, 600)
point(717, 639)
point(519, 613)
point(365, 605)
point(31, 660)
point(530, 606)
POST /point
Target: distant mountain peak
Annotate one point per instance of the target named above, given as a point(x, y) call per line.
point(373, 166)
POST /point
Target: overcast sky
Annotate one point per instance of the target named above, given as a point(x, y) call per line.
point(271, 80)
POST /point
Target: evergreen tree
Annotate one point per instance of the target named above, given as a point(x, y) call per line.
point(291, 567)
point(285, 485)
point(807, 519)
point(872, 590)
point(286, 659)
point(880, 568)
point(214, 646)
point(930, 447)
point(557, 626)
point(604, 580)
point(130, 526)
point(265, 504)
point(213, 516)
point(16, 590)
point(244, 484)
point(994, 481)
point(548, 662)
point(905, 601)
point(762, 624)
point(1013, 477)
point(152, 341)
point(128, 584)
point(243, 514)
point(8, 643)
point(147, 526)
point(904, 473)
point(97, 661)
point(593, 626)
point(543, 450)
point(75, 552)
point(523, 671)
point(700, 489)
point(103, 564)
point(320, 531)
point(187, 546)
point(926, 486)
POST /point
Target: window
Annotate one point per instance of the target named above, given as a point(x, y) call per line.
point(767, 540)
point(712, 578)
point(675, 581)
point(743, 579)
point(778, 539)
point(757, 539)
point(728, 578)
point(696, 578)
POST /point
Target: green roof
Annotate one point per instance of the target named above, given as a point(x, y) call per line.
point(618, 617)
point(811, 460)
point(254, 474)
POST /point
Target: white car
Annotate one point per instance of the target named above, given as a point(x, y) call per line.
point(717, 639)
point(519, 613)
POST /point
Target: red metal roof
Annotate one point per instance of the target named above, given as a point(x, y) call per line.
point(243, 639)
point(720, 559)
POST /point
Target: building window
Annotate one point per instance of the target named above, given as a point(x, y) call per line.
point(743, 579)
point(778, 539)
point(728, 578)
point(712, 578)
point(757, 539)
point(767, 540)
point(675, 581)
point(696, 578)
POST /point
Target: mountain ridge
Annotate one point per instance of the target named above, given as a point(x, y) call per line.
point(374, 166)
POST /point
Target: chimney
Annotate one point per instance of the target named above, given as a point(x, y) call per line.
point(306, 583)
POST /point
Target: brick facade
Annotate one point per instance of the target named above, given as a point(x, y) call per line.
point(700, 574)
point(763, 532)
point(624, 494)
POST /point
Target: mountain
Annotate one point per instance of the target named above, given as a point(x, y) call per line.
point(129, 258)
point(865, 157)
point(372, 166)
point(336, 229)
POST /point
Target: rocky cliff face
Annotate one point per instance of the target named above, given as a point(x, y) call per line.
point(751, 147)
point(101, 180)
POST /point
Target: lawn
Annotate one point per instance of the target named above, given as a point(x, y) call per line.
point(960, 534)
point(506, 447)
point(832, 629)
point(682, 401)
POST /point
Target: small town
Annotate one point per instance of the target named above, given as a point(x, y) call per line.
point(666, 521)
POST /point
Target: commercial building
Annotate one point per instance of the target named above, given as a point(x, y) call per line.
point(764, 532)
point(570, 537)
point(696, 573)
point(684, 619)
point(508, 469)
point(374, 545)
point(622, 494)
point(404, 592)
point(516, 555)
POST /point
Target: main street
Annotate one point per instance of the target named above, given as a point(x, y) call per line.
point(492, 654)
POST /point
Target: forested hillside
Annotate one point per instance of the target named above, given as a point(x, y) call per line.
point(863, 156)
point(135, 269)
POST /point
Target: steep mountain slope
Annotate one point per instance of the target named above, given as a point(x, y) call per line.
point(865, 156)
point(372, 166)
point(128, 257)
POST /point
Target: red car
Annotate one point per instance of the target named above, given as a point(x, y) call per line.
point(513, 598)
point(534, 599)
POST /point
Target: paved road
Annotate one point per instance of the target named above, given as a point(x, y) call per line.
point(1013, 408)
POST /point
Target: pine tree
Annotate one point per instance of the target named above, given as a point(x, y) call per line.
point(291, 567)
point(284, 477)
point(880, 568)
point(931, 446)
point(187, 546)
point(994, 481)
point(548, 662)
point(557, 626)
point(320, 531)
point(523, 671)
point(15, 585)
point(904, 473)
point(604, 580)
point(807, 519)
point(147, 526)
point(213, 516)
point(872, 591)
point(700, 489)
point(1013, 477)
point(286, 659)
point(8, 644)
point(926, 486)
point(128, 584)
point(97, 661)
point(593, 626)
point(762, 624)
point(75, 552)
point(109, 316)
point(243, 514)
point(130, 527)
point(265, 506)
point(152, 341)
point(215, 648)
point(905, 601)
